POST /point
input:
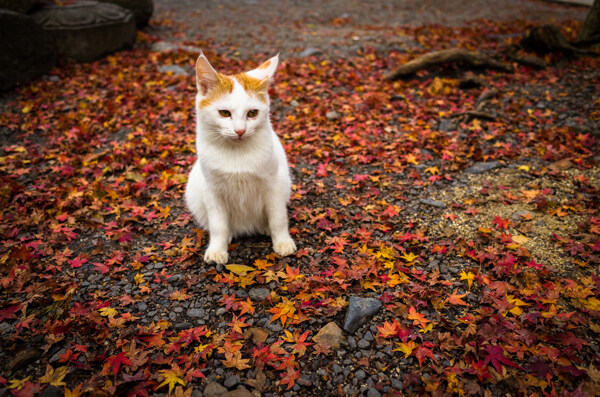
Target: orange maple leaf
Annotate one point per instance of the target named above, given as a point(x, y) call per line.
point(418, 318)
point(456, 299)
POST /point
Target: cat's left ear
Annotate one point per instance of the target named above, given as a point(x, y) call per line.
point(266, 70)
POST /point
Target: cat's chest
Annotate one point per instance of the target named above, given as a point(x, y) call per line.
point(239, 183)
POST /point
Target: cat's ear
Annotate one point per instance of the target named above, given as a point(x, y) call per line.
point(266, 70)
point(206, 76)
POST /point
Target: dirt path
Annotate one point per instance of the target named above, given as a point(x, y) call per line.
point(268, 26)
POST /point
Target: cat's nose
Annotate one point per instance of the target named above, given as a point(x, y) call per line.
point(240, 132)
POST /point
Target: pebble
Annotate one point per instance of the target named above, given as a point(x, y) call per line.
point(175, 69)
point(336, 369)
point(195, 313)
point(181, 326)
point(360, 374)
point(359, 311)
point(396, 383)
point(213, 389)
point(363, 344)
point(432, 202)
point(259, 294)
point(304, 380)
point(372, 392)
point(369, 336)
point(231, 381)
point(309, 51)
point(351, 342)
point(479, 168)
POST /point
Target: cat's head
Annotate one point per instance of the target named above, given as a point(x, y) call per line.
point(233, 108)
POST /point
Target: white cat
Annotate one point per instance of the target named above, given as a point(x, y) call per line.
point(240, 183)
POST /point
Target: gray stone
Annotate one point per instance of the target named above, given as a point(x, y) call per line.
point(231, 381)
point(175, 69)
point(213, 389)
point(360, 374)
point(164, 46)
point(359, 311)
point(56, 356)
point(87, 30)
point(518, 215)
point(142, 9)
point(26, 52)
point(142, 306)
point(364, 344)
point(304, 380)
point(432, 202)
point(259, 294)
point(396, 383)
point(309, 51)
point(197, 313)
point(479, 168)
point(372, 392)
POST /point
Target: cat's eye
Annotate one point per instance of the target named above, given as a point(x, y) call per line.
point(225, 113)
point(253, 113)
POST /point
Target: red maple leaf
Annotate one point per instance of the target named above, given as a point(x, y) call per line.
point(113, 363)
point(496, 357)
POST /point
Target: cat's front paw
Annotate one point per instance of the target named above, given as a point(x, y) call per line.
point(285, 247)
point(216, 256)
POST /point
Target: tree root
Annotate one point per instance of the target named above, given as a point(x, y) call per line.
point(472, 58)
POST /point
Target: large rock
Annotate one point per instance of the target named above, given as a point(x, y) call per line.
point(359, 311)
point(21, 6)
point(142, 9)
point(330, 335)
point(25, 50)
point(87, 30)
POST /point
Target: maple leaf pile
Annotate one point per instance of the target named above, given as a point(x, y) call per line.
point(481, 237)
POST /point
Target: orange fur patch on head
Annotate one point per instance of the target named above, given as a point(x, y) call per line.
point(223, 86)
point(254, 86)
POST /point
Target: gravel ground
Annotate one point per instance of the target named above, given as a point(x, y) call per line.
point(161, 281)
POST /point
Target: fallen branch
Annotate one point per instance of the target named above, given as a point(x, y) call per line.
point(472, 58)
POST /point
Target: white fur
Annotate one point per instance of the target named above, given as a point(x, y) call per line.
point(239, 186)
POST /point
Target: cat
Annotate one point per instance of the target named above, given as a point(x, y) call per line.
point(240, 183)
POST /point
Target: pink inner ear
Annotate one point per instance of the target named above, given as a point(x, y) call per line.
point(206, 76)
point(265, 65)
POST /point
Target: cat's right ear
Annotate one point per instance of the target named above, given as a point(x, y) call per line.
point(206, 76)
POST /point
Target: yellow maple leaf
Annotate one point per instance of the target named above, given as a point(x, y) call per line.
point(432, 170)
point(409, 257)
point(467, 276)
point(520, 239)
point(18, 383)
point(171, 378)
point(54, 376)
point(406, 348)
point(108, 312)
point(239, 269)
